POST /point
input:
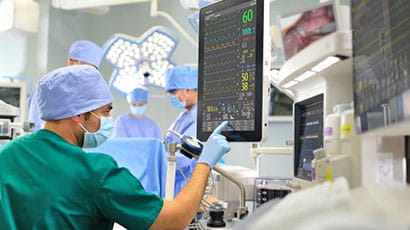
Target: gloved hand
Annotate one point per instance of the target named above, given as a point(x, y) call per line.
point(215, 147)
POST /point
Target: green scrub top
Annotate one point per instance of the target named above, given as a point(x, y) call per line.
point(48, 183)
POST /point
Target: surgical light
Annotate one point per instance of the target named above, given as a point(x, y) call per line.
point(326, 63)
point(139, 61)
point(305, 76)
point(290, 84)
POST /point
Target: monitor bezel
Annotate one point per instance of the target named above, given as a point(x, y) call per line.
point(296, 128)
point(236, 136)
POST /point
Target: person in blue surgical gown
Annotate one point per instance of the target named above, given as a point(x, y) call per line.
point(181, 84)
point(135, 123)
point(81, 52)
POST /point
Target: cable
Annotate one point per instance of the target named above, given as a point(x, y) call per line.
point(182, 172)
point(170, 131)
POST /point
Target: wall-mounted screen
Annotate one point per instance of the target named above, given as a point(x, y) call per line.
point(301, 29)
point(230, 85)
point(381, 52)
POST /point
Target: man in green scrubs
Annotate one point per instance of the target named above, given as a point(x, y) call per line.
point(48, 182)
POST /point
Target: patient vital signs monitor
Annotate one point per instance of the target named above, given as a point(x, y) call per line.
point(231, 85)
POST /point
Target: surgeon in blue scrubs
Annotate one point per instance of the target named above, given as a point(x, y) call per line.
point(135, 123)
point(182, 84)
point(47, 180)
point(81, 52)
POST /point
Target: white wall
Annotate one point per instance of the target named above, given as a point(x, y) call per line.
point(12, 48)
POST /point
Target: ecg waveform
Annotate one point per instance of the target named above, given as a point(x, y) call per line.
point(220, 46)
point(221, 54)
point(214, 65)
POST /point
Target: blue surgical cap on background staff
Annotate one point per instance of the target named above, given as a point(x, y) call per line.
point(181, 77)
point(70, 91)
point(87, 52)
point(138, 94)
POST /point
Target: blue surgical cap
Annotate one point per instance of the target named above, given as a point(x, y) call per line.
point(181, 77)
point(70, 91)
point(87, 52)
point(138, 94)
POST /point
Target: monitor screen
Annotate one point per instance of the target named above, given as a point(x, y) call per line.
point(10, 95)
point(381, 52)
point(279, 103)
point(231, 69)
point(308, 120)
point(15, 94)
point(301, 29)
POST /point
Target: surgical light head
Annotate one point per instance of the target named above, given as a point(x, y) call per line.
point(138, 94)
point(181, 77)
point(140, 61)
point(87, 52)
point(70, 91)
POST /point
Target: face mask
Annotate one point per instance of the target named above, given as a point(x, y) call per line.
point(173, 99)
point(92, 140)
point(138, 109)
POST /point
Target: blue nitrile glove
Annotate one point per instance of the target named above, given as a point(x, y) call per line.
point(215, 147)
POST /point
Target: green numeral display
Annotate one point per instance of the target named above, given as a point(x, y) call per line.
point(247, 16)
